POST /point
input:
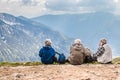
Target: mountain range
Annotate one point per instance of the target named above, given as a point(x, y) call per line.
point(21, 38)
point(89, 27)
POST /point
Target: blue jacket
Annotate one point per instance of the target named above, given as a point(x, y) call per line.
point(47, 53)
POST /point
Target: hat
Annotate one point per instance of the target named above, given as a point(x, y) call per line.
point(77, 41)
point(48, 42)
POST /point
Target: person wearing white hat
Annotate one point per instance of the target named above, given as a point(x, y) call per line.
point(47, 53)
point(77, 41)
point(48, 42)
point(77, 53)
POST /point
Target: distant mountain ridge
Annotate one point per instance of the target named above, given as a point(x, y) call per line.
point(89, 27)
point(21, 38)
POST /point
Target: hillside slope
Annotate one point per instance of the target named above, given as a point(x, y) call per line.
point(21, 39)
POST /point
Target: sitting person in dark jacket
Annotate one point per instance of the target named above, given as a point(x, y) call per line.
point(47, 53)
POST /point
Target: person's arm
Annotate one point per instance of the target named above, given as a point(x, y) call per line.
point(41, 52)
point(100, 51)
point(52, 51)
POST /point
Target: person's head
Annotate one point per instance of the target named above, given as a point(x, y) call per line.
point(48, 42)
point(102, 42)
point(77, 41)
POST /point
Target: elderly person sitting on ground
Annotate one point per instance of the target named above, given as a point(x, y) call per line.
point(104, 53)
point(47, 53)
point(77, 53)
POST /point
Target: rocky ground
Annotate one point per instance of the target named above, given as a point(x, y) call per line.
point(61, 72)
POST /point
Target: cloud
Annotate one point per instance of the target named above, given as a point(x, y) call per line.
point(28, 8)
point(79, 5)
point(117, 7)
point(62, 5)
point(32, 2)
point(32, 8)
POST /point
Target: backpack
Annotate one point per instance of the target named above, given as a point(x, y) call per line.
point(88, 59)
point(61, 58)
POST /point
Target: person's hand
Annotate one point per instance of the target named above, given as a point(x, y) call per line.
point(94, 55)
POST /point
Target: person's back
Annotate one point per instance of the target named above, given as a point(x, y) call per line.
point(76, 54)
point(47, 53)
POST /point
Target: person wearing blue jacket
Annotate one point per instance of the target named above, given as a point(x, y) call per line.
point(47, 53)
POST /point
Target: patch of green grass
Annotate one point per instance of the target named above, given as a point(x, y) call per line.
point(36, 63)
point(14, 64)
point(4, 63)
point(116, 60)
point(94, 62)
point(32, 63)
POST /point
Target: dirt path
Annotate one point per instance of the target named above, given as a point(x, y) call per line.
point(61, 72)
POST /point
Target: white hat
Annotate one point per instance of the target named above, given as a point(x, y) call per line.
point(77, 41)
point(48, 40)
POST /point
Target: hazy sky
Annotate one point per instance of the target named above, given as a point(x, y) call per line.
point(32, 8)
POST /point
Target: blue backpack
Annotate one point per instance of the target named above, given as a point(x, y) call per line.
point(61, 58)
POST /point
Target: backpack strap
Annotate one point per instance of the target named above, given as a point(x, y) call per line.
point(57, 53)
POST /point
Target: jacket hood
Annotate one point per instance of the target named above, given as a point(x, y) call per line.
point(47, 47)
point(77, 47)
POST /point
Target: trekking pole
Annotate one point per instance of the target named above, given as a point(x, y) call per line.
point(57, 53)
